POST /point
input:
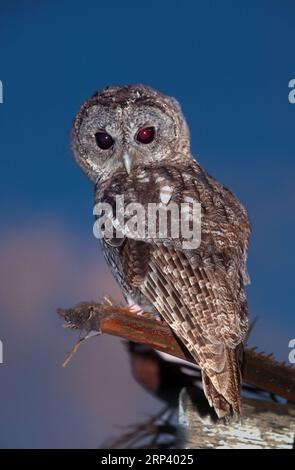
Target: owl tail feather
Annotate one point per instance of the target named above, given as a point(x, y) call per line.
point(223, 390)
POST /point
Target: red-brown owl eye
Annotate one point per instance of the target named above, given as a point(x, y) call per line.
point(104, 140)
point(145, 135)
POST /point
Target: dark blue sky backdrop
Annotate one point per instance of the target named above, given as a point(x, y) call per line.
point(229, 64)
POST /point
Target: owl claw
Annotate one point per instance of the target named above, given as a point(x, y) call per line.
point(135, 309)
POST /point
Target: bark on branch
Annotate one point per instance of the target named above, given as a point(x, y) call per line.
point(260, 370)
point(265, 425)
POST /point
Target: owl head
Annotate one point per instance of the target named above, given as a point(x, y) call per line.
point(121, 128)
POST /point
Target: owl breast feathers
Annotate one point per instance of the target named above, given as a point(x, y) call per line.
point(198, 291)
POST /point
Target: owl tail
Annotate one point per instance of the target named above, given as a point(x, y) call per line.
point(223, 389)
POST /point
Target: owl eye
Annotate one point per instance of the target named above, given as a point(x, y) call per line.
point(145, 135)
point(104, 140)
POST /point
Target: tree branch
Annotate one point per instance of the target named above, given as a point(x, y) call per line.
point(260, 370)
point(265, 425)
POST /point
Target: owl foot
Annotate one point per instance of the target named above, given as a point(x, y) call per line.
point(135, 309)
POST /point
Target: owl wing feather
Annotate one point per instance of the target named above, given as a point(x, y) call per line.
point(191, 303)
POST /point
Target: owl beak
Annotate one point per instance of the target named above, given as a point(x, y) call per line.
point(127, 162)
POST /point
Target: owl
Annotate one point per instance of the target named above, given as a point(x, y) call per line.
point(134, 141)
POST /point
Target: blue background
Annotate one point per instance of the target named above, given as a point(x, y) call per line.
point(229, 64)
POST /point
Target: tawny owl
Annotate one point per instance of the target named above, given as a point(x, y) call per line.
point(134, 141)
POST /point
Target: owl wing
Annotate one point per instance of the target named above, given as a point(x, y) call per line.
point(200, 292)
point(199, 306)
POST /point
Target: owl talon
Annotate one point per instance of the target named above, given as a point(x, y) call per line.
point(135, 309)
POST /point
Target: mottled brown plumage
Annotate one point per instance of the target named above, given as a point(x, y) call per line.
point(199, 292)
